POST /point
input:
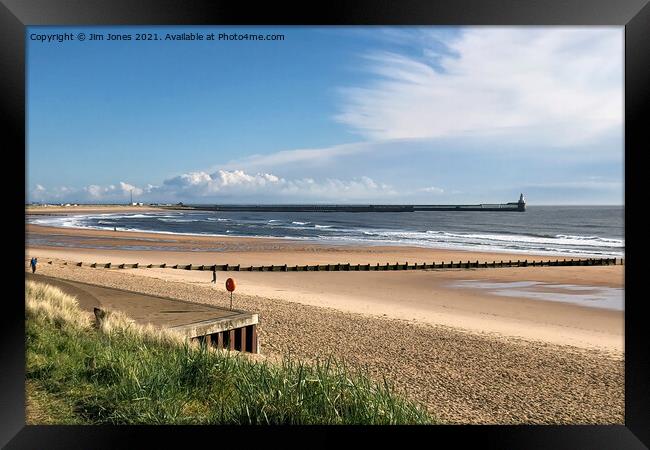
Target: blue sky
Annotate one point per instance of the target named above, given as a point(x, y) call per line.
point(329, 114)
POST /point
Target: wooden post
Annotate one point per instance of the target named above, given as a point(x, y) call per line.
point(242, 347)
point(231, 345)
point(208, 340)
point(220, 340)
point(254, 339)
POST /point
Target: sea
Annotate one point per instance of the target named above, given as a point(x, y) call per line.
point(577, 231)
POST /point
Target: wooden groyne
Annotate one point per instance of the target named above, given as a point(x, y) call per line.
point(347, 267)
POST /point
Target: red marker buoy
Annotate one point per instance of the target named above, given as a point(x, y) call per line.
point(230, 287)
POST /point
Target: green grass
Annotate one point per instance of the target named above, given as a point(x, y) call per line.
point(124, 374)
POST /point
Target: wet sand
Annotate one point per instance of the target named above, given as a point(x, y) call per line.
point(431, 297)
point(461, 377)
point(469, 355)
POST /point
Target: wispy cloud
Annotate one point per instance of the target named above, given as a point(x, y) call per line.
point(310, 157)
point(589, 184)
point(443, 111)
point(557, 83)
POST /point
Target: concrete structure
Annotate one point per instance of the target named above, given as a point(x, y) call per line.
point(235, 332)
point(217, 327)
point(519, 206)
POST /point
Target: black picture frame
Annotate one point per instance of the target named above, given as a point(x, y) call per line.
point(634, 15)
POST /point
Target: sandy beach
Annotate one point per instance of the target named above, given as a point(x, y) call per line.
point(441, 340)
point(424, 296)
point(90, 209)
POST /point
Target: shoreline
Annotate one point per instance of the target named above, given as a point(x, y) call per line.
point(430, 297)
point(336, 240)
point(65, 210)
point(164, 238)
point(471, 356)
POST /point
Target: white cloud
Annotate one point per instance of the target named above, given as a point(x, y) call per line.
point(41, 193)
point(97, 192)
point(311, 157)
point(267, 185)
point(564, 84)
point(432, 190)
point(89, 193)
point(127, 188)
point(223, 184)
point(501, 91)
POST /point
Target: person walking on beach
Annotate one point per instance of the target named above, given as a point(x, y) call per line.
point(33, 264)
point(214, 274)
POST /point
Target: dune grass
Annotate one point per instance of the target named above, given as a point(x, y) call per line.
point(123, 373)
